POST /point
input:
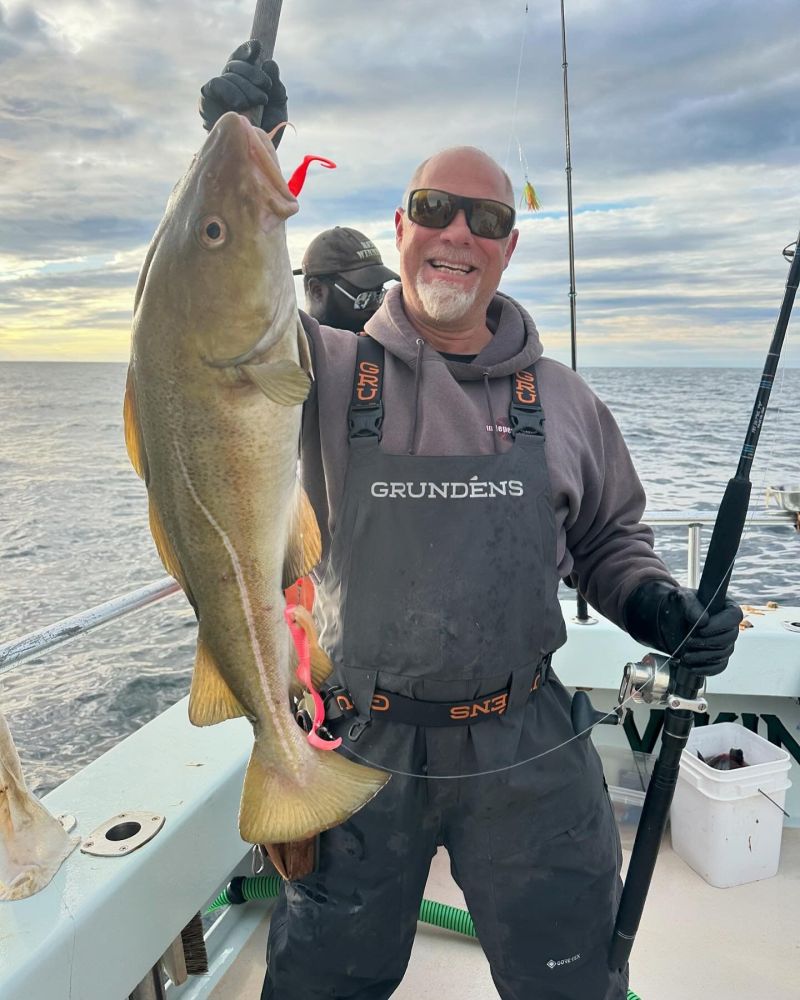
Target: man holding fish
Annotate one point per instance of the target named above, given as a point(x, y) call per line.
point(449, 508)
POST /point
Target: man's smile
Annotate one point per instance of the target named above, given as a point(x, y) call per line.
point(450, 268)
point(447, 265)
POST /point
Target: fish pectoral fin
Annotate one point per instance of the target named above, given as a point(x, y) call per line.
point(304, 548)
point(133, 437)
point(277, 807)
point(210, 699)
point(284, 382)
point(321, 666)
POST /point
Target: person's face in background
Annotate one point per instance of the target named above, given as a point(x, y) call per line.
point(337, 306)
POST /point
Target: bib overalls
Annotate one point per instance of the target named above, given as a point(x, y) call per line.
point(439, 576)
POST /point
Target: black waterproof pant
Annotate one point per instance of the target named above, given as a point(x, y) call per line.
point(534, 848)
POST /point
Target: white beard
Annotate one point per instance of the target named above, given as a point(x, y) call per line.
point(444, 303)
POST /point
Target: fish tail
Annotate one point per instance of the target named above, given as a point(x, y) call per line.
point(277, 807)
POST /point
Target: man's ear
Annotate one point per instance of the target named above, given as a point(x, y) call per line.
point(511, 246)
point(399, 219)
point(316, 290)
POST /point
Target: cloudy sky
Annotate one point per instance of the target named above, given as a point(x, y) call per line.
point(685, 140)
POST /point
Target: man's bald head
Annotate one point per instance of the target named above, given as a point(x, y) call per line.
point(461, 155)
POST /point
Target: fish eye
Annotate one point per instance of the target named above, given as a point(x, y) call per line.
point(212, 232)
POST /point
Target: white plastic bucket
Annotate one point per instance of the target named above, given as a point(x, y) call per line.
point(723, 824)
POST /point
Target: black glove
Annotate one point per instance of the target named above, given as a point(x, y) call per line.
point(245, 83)
point(660, 614)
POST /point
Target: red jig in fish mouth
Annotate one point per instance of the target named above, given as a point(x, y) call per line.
point(298, 178)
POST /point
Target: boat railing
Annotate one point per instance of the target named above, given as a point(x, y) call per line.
point(67, 629)
point(17, 650)
point(695, 520)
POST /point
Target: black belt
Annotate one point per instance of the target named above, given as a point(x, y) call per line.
point(390, 707)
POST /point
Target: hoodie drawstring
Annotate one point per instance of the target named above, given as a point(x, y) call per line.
point(417, 378)
point(492, 421)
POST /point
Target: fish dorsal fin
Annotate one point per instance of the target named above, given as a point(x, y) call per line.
point(305, 350)
point(133, 438)
point(210, 699)
point(284, 382)
point(304, 548)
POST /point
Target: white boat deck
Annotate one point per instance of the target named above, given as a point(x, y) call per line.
point(694, 941)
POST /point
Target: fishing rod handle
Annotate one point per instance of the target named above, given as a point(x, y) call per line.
point(720, 557)
point(724, 544)
point(265, 25)
point(264, 30)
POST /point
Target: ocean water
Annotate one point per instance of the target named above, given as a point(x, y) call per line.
point(73, 533)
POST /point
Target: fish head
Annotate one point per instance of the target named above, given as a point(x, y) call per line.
point(218, 268)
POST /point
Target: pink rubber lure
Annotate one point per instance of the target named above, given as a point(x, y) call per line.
point(304, 676)
point(298, 178)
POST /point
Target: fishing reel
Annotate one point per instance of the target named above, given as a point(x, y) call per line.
point(648, 681)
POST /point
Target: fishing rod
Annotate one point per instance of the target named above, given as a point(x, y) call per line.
point(675, 685)
point(265, 25)
point(582, 616)
point(572, 316)
point(264, 30)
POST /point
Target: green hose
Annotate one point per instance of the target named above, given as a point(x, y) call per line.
point(267, 886)
point(430, 912)
point(241, 889)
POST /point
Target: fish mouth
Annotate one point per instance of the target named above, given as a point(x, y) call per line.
point(241, 140)
point(249, 162)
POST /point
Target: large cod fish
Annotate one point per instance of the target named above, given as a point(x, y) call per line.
point(219, 370)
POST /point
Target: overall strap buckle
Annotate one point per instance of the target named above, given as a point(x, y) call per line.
point(365, 416)
point(365, 421)
point(525, 412)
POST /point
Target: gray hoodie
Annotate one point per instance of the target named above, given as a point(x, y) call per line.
point(434, 406)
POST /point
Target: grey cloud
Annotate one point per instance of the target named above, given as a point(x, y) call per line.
point(23, 21)
point(23, 30)
point(68, 237)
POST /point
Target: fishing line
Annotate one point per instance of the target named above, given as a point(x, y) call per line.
point(529, 198)
point(549, 750)
point(516, 92)
point(495, 770)
point(506, 767)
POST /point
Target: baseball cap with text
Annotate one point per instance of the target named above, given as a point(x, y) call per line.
point(348, 252)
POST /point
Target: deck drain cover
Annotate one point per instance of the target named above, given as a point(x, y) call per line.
point(122, 834)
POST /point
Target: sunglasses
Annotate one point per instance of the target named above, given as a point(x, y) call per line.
point(364, 300)
point(436, 210)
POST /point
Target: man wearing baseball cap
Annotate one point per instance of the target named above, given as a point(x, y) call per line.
point(343, 278)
